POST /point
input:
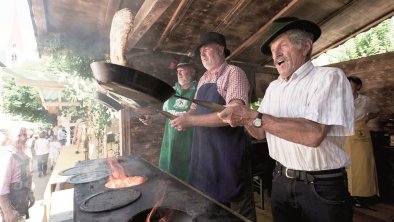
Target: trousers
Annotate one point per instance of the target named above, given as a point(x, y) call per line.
point(321, 200)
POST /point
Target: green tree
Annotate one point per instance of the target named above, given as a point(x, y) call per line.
point(23, 101)
point(377, 40)
point(72, 58)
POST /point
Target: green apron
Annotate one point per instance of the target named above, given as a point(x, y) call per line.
point(176, 145)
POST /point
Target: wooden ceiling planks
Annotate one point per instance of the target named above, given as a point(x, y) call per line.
point(171, 28)
point(174, 22)
point(148, 14)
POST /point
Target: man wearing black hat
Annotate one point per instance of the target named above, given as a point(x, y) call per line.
point(176, 145)
point(305, 115)
point(219, 160)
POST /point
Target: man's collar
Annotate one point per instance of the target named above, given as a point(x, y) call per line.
point(304, 69)
point(192, 84)
point(218, 70)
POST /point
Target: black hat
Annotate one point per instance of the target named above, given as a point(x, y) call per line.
point(284, 24)
point(185, 62)
point(213, 37)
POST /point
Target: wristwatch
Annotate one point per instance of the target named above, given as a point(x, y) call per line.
point(258, 122)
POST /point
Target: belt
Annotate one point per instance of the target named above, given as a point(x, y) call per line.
point(308, 176)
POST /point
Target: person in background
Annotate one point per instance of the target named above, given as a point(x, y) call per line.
point(362, 176)
point(176, 145)
point(305, 115)
point(220, 164)
point(49, 134)
point(16, 195)
point(62, 135)
point(54, 151)
point(41, 148)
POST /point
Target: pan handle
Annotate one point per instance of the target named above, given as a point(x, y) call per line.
point(167, 114)
point(210, 105)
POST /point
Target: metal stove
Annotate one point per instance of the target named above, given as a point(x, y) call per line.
point(177, 195)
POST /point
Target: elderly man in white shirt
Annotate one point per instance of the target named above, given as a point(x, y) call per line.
point(305, 115)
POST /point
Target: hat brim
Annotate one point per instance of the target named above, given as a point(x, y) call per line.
point(185, 64)
point(305, 25)
point(227, 52)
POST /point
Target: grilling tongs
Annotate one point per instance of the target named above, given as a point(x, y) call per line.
point(210, 105)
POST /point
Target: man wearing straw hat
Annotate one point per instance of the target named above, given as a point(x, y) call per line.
point(305, 115)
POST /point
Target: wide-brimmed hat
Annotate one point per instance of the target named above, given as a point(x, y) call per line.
point(284, 24)
point(185, 62)
point(212, 37)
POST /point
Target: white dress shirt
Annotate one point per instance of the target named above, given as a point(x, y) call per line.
point(319, 94)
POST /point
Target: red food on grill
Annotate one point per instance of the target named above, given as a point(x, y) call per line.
point(125, 182)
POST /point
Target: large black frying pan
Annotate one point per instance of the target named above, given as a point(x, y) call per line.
point(144, 89)
point(108, 101)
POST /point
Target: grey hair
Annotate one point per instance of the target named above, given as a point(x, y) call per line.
point(298, 36)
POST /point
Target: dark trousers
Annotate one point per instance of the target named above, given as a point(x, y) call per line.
point(245, 205)
point(42, 163)
point(322, 200)
point(244, 202)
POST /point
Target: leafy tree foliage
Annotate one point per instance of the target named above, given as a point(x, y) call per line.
point(72, 58)
point(23, 101)
point(377, 40)
point(70, 61)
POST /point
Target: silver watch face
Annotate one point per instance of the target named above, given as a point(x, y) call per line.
point(257, 122)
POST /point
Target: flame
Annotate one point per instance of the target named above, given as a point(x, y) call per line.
point(116, 168)
point(160, 196)
point(118, 177)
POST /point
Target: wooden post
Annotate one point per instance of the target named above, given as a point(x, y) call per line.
point(125, 132)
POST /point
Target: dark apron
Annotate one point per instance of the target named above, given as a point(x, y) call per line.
point(19, 192)
point(216, 166)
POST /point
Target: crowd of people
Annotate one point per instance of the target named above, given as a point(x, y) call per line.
point(22, 151)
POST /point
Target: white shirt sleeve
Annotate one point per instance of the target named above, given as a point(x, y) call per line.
point(332, 102)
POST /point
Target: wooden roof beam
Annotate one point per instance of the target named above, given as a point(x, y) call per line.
point(39, 16)
point(263, 29)
point(39, 84)
point(112, 7)
point(232, 15)
point(174, 22)
point(148, 14)
point(360, 30)
point(60, 104)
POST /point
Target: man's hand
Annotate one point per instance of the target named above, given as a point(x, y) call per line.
point(237, 115)
point(182, 122)
point(32, 199)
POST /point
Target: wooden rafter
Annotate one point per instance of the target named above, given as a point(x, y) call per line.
point(112, 7)
point(358, 31)
point(257, 35)
point(174, 21)
point(60, 104)
point(39, 84)
point(232, 15)
point(148, 14)
point(39, 15)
